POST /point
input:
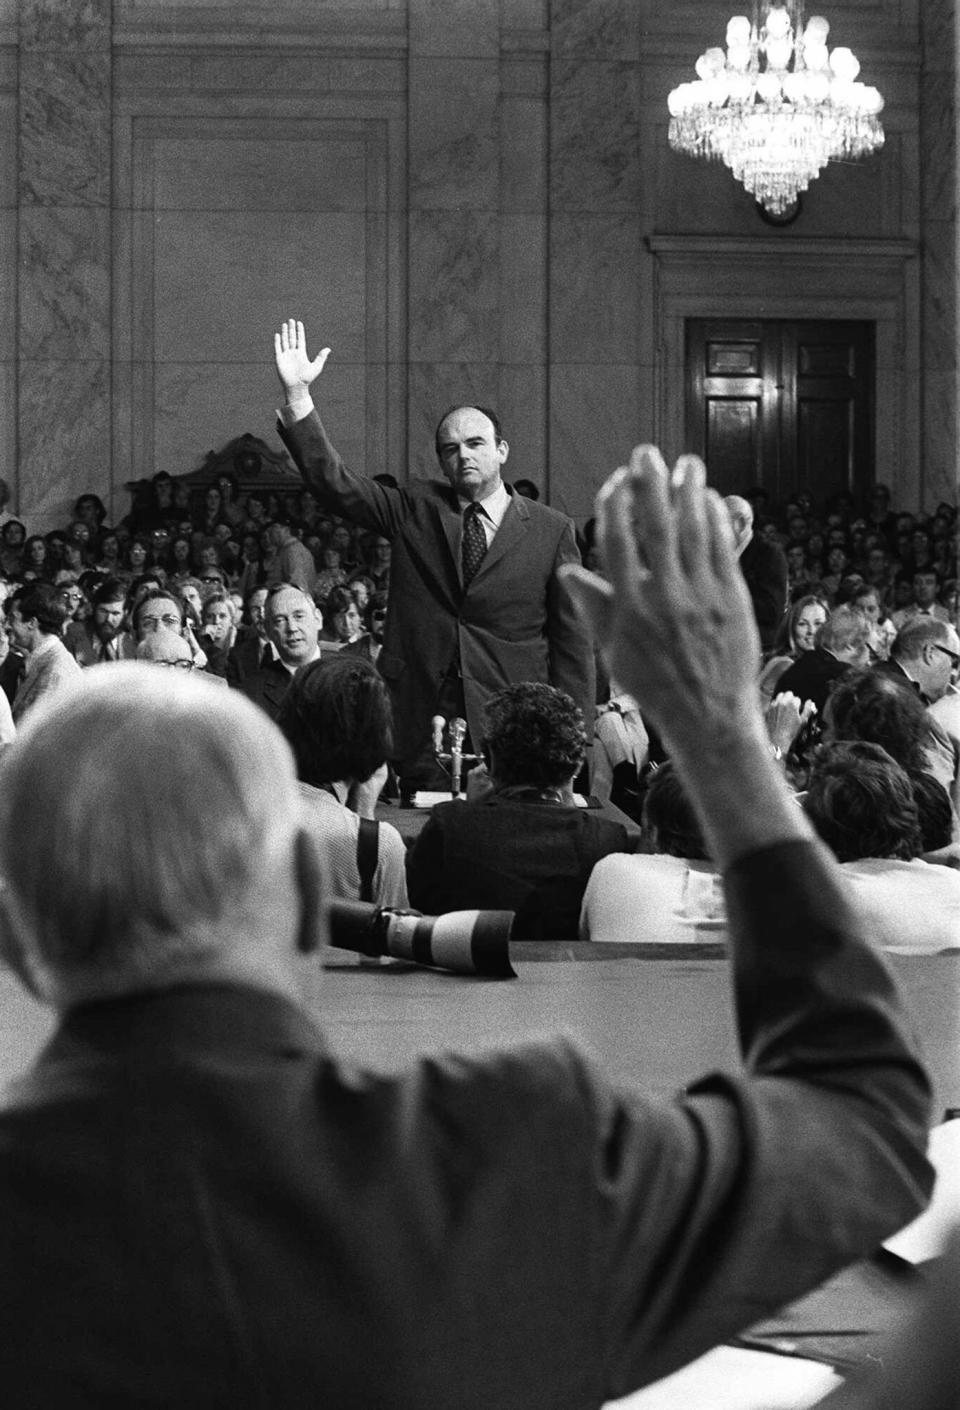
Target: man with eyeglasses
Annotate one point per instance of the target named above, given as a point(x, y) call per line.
point(927, 652)
point(165, 648)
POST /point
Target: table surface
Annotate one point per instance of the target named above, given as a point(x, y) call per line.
point(651, 1020)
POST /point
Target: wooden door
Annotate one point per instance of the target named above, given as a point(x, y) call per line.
point(786, 405)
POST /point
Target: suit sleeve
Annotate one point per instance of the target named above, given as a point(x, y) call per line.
point(750, 1189)
point(570, 643)
point(339, 489)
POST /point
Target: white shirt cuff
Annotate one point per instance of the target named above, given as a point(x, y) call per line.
point(295, 410)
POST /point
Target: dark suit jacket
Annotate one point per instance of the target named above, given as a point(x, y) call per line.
point(202, 1208)
point(764, 567)
point(812, 675)
point(515, 622)
point(264, 683)
point(508, 854)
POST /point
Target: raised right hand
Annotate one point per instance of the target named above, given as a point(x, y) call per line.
point(294, 367)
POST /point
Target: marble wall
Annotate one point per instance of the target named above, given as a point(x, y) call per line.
point(467, 199)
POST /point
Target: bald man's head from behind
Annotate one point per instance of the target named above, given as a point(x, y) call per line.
point(740, 511)
point(165, 648)
point(177, 854)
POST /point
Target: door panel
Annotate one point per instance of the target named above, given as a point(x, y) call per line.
point(788, 405)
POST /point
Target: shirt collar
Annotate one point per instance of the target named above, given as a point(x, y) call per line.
point(494, 506)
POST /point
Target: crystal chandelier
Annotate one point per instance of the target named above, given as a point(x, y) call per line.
point(777, 105)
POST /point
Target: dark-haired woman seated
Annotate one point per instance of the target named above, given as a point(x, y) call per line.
point(336, 718)
point(524, 845)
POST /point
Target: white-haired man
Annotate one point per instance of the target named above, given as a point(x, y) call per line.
point(202, 1207)
point(764, 567)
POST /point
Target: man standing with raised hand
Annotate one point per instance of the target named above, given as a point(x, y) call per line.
point(476, 600)
point(201, 1206)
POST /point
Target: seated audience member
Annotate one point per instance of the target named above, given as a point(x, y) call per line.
point(293, 623)
point(939, 834)
point(841, 643)
point(101, 637)
point(168, 648)
point(218, 633)
point(621, 752)
point(165, 647)
point(945, 714)
point(370, 643)
point(672, 892)
point(796, 635)
point(35, 621)
point(336, 719)
point(926, 653)
point(288, 560)
point(189, 1153)
point(524, 845)
point(156, 608)
point(344, 615)
point(862, 804)
point(12, 662)
point(926, 588)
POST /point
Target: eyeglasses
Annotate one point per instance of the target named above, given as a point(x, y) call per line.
point(176, 665)
point(954, 655)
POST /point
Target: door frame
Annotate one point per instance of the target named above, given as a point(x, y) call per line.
point(876, 281)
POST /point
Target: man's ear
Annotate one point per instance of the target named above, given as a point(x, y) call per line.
point(312, 931)
point(14, 951)
point(504, 450)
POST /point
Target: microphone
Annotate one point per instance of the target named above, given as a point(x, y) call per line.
point(458, 730)
point(437, 724)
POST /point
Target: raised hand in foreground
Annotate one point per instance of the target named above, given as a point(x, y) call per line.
point(674, 621)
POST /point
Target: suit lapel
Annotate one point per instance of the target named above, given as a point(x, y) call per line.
point(448, 512)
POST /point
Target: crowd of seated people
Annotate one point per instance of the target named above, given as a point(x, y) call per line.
point(262, 589)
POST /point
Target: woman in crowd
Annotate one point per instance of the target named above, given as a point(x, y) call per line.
point(219, 621)
point(344, 616)
point(796, 635)
point(33, 564)
point(336, 718)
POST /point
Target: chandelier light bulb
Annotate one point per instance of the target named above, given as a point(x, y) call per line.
point(775, 107)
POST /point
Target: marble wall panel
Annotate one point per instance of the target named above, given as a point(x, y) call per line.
point(454, 28)
point(453, 134)
point(65, 282)
point(65, 127)
point(523, 288)
point(8, 149)
point(200, 408)
point(594, 136)
point(8, 285)
point(523, 154)
point(940, 295)
point(222, 280)
point(454, 287)
point(594, 419)
point(596, 29)
point(64, 436)
point(531, 15)
point(9, 466)
point(939, 477)
point(521, 404)
point(594, 310)
point(432, 387)
point(65, 24)
point(238, 170)
point(939, 146)
point(939, 35)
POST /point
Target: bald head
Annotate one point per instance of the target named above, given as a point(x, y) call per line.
point(741, 519)
point(165, 648)
point(148, 827)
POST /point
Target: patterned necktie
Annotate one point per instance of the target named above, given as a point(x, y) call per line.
point(474, 544)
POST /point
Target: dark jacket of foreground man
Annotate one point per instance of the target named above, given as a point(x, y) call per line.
point(201, 1207)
